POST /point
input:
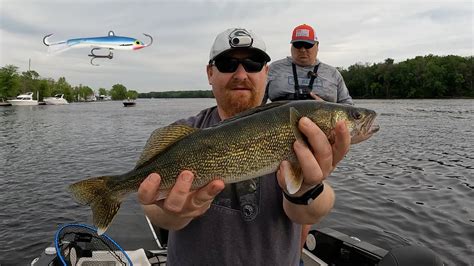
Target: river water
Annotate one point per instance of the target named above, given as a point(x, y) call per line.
point(410, 184)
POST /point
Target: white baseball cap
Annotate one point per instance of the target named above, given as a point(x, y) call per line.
point(236, 38)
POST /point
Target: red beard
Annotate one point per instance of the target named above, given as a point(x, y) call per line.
point(240, 96)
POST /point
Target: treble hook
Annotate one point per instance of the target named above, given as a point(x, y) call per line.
point(94, 56)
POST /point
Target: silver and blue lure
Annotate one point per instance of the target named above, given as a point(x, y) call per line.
point(109, 42)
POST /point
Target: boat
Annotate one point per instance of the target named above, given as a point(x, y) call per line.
point(56, 100)
point(145, 244)
point(103, 98)
point(24, 99)
point(3, 103)
point(129, 103)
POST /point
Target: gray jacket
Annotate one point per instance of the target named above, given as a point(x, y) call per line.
point(329, 84)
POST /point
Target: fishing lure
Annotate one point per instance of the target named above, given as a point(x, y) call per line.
point(109, 42)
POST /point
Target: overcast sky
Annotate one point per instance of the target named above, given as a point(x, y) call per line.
point(183, 32)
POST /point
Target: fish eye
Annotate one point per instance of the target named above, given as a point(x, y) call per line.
point(357, 115)
point(137, 42)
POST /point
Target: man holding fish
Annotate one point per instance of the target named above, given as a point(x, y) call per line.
point(257, 221)
point(234, 184)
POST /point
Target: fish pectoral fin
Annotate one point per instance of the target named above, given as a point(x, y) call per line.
point(295, 117)
point(332, 137)
point(293, 177)
point(162, 194)
point(161, 138)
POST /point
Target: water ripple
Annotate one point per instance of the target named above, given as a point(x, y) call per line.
point(412, 183)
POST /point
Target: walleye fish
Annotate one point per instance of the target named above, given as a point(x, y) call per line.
point(246, 146)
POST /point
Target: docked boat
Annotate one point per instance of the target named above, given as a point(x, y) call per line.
point(24, 99)
point(145, 244)
point(56, 100)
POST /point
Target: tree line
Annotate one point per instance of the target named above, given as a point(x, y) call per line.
point(178, 94)
point(421, 77)
point(13, 83)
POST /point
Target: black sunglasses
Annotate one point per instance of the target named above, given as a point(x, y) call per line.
point(230, 65)
point(306, 45)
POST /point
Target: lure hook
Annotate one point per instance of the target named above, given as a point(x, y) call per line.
point(46, 38)
point(151, 39)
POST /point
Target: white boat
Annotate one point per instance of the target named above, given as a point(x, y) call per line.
point(56, 100)
point(24, 99)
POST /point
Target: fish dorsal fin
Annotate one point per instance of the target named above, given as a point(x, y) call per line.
point(295, 117)
point(255, 110)
point(161, 138)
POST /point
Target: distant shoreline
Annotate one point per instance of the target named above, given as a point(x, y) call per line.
point(208, 95)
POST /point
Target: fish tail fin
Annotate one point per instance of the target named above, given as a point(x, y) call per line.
point(58, 47)
point(103, 201)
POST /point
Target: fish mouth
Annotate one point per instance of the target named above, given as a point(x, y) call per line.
point(369, 125)
point(366, 129)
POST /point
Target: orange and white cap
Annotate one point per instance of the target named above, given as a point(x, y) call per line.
point(304, 33)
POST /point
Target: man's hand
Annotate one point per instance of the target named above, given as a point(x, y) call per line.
point(181, 204)
point(315, 96)
point(316, 162)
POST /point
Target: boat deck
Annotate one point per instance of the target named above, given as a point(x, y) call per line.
point(134, 233)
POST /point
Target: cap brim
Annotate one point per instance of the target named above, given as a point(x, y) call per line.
point(308, 41)
point(263, 53)
point(253, 49)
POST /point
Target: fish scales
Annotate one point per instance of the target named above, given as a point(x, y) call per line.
point(232, 151)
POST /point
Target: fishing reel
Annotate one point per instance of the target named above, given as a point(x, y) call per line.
point(95, 56)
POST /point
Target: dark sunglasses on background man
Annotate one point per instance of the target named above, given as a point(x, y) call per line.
point(230, 65)
point(306, 45)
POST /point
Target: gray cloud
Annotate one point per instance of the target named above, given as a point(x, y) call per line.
point(350, 32)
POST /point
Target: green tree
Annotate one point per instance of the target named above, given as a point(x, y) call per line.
point(358, 79)
point(131, 94)
point(63, 87)
point(82, 93)
point(118, 92)
point(386, 78)
point(421, 77)
point(9, 81)
point(43, 88)
point(29, 81)
point(103, 91)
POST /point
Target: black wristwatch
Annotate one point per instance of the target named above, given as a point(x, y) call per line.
point(307, 197)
